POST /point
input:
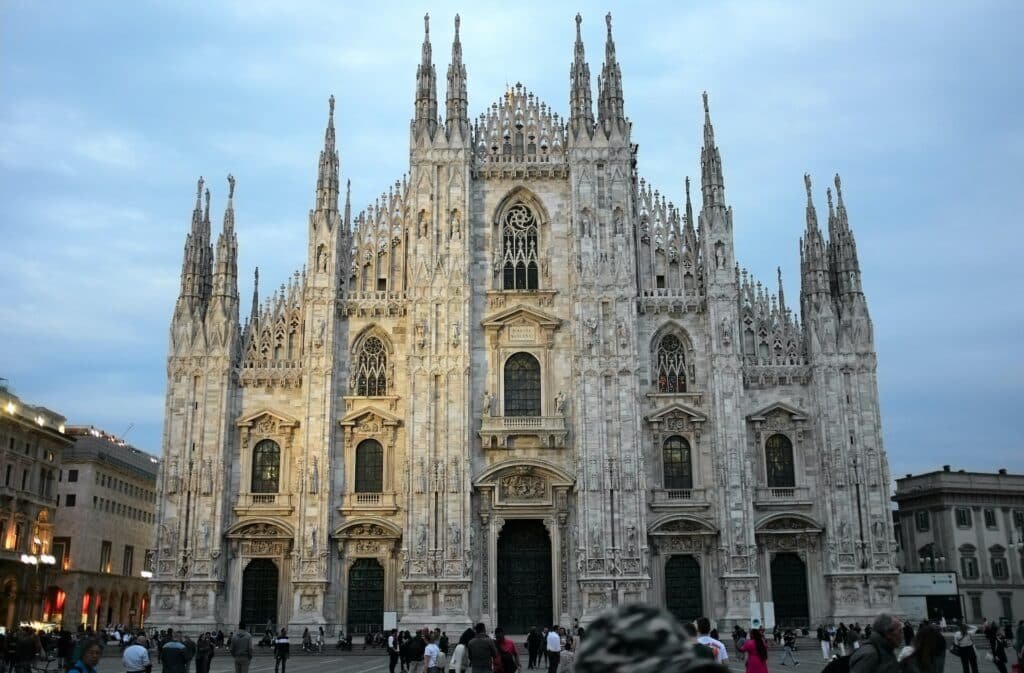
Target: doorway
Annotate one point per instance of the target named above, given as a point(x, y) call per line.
point(683, 590)
point(365, 596)
point(259, 593)
point(789, 590)
point(524, 576)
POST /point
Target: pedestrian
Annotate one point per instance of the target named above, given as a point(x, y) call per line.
point(394, 651)
point(908, 633)
point(756, 651)
point(878, 654)
point(481, 651)
point(458, 662)
point(204, 653)
point(927, 652)
point(417, 646)
point(705, 638)
point(963, 647)
point(788, 646)
point(91, 651)
point(842, 634)
point(136, 656)
point(544, 647)
point(241, 649)
point(1018, 639)
point(174, 655)
point(282, 650)
point(443, 643)
point(430, 654)
point(533, 643)
point(507, 654)
point(999, 652)
point(823, 641)
point(553, 648)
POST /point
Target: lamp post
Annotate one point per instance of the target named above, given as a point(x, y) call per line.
point(35, 561)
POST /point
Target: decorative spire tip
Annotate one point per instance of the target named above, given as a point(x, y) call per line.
point(457, 22)
point(199, 188)
point(231, 186)
point(426, 25)
point(330, 105)
point(608, 20)
point(807, 185)
point(839, 189)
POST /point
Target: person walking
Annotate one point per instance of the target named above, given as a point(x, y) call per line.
point(430, 654)
point(999, 652)
point(417, 645)
point(204, 653)
point(282, 650)
point(788, 645)
point(963, 647)
point(927, 652)
point(823, 641)
point(507, 654)
point(481, 651)
point(458, 662)
point(394, 650)
point(878, 654)
point(241, 649)
point(756, 651)
point(174, 655)
point(553, 647)
point(533, 643)
point(136, 656)
point(705, 638)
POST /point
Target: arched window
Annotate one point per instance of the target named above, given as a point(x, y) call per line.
point(371, 374)
point(677, 463)
point(369, 467)
point(266, 467)
point(671, 365)
point(522, 385)
point(519, 249)
point(778, 458)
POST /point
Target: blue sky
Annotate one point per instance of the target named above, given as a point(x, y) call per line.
point(109, 111)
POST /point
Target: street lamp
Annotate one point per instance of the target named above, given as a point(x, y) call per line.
point(929, 557)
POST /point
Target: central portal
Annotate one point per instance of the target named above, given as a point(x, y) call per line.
point(524, 576)
point(259, 593)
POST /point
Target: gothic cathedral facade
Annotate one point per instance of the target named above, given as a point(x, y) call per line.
point(520, 387)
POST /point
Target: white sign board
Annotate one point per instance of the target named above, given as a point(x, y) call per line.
point(390, 620)
point(915, 608)
point(927, 584)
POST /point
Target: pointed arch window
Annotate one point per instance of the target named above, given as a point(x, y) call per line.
point(671, 365)
point(677, 463)
point(522, 385)
point(519, 260)
point(778, 455)
point(372, 369)
point(266, 467)
point(369, 467)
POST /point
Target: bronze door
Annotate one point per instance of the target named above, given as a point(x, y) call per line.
point(259, 593)
point(524, 576)
point(683, 596)
point(365, 596)
point(789, 590)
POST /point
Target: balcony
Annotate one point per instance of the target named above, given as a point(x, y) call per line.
point(506, 432)
point(782, 497)
point(675, 499)
point(276, 504)
point(368, 503)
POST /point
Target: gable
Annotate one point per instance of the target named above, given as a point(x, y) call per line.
point(368, 416)
point(677, 409)
point(521, 314)
point(267, 416)
point(778, 408)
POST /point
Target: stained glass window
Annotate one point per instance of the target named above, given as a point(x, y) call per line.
point(778, 453)
point(522, 385)
point(372, 369)
point(671, 365)
point(519, 249)
point(369, 467)
point(266, 467)
point(677, 463)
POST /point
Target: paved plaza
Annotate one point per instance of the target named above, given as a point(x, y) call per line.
point(369, 661)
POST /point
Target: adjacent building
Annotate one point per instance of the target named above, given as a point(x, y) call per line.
point(104, 527)
point(970, 523)
point(32, 440)
point(522, 386)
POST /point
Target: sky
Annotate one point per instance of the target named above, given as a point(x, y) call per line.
point(110, 111)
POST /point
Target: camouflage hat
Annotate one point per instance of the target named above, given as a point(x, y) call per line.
point(639, 638)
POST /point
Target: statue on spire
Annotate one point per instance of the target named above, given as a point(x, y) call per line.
point(231, 186)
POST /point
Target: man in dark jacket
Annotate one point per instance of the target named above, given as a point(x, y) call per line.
point(416, 647)
point(878, 654)
point(241, 649)
point(481, 651)
point(533, 641)
point(174, 655)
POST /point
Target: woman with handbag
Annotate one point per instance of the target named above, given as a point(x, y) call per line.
point(963, 647)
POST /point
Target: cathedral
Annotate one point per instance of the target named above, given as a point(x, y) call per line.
point(521, 387)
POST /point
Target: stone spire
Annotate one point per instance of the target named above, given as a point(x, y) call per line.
point(711, 177)
point(426, 88)
point(196, 267)
point(782, 294)
point(581, 107)
point(327, 176)
point(610, 111)
point(225, 286)
point(457, 105)
point(814, 272)
point(842, 249)
point(254, 312)
point(348, 206)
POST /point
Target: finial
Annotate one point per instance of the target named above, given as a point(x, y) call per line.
point(579, 20)
point(207, 199)
point(839, 190)
point(330, 105)
point(608, 20)
point(231, 186)
point(457, 22)
point(426, 25)
point(807, 185)
point(707, 112)
point(687, 187)
point(199, 189)
point(778, 270)
point(828, 196)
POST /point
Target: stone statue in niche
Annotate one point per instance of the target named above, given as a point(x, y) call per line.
point(719, 255)
point(454, 476)
point(204, 536)
point(421, 539)
point(631, 540)
point(207, 477)
point(560, 403)
point(454, 535)
point(622, 333)
point(726, 331)
point(314, 477)
point(456, 328)
point(421, 476)
point(485, 403)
